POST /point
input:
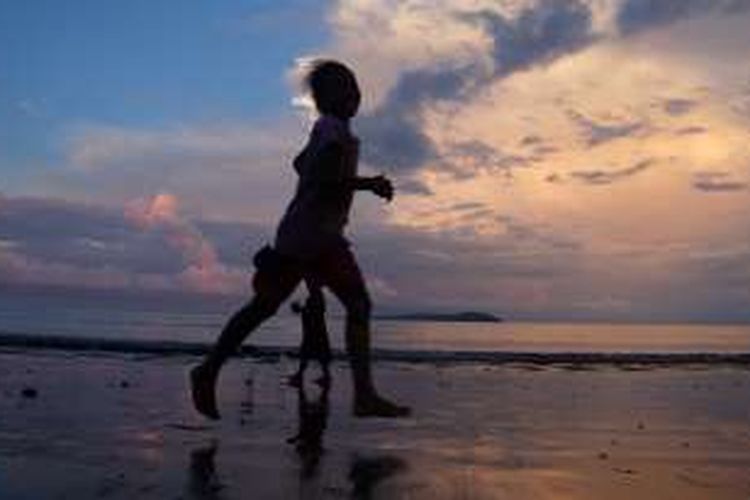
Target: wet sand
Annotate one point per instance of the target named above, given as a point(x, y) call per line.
point(93, 425)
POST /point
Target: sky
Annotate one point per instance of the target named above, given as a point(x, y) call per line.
point(553, 159)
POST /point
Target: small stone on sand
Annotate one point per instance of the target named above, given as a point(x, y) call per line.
point(29, 393)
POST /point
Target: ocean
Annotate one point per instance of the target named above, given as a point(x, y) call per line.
point(36, 315)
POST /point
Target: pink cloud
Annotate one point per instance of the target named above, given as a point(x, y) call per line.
point(203, 271)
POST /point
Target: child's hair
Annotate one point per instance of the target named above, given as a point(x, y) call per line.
point(326, 80)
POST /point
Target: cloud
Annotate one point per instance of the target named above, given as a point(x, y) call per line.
point(597, 133)
point(468, 205)
point(414, 187)
point(635, 16)
point(148, 245)
point(603, 177)
point(519, 37)
point(203, 271)
point(536, 35)
point(527, 271)
point(467, 101)
point(81, 235)
point(231, 170)
point(18, 269)
point(100, 146)
point(717, 182)
point(691, 130)
point(167, 252)
point(678, 106)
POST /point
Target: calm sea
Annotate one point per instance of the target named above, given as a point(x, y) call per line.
point(31, 314)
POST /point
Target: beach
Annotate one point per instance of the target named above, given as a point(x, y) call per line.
point(119, 425)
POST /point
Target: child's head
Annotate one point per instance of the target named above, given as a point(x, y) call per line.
point(334, 89)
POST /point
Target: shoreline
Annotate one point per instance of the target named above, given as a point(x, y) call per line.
point(169, 348)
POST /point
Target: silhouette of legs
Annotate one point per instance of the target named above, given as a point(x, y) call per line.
point(337, 270)
point(346, 282)
point(315, 343)
point(312, 423)
point(203, 480)
point(324, 380)
point(298, 379)
point(271, 290)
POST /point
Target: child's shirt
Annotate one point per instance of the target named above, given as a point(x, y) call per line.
point(315, 219)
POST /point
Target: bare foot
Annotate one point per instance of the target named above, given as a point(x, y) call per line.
point(203, 391)
point(376, 406)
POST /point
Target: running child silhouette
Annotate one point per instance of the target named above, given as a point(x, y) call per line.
point(315, 343)
point(310, 245)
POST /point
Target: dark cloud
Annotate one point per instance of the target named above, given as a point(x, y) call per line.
point(678, 107)
point(597, 133)
point(540, 33)
point(480, 156)
point(554, 178)
point(469, 205)
point(539, 152)
point(393, 132)
point(474, 149)
point(537, 35)
point(723, 266)
point(713, 182)
point(544, 32)
point(692, 130)
point(528, 271)
point(531, 140)
point(235, 242)
point(602, 177)
point(85, 236)
point(717, 279)
point(423, 267)
point(413, 186)
point(635, 16)
point(62, 243)
point(449, 268)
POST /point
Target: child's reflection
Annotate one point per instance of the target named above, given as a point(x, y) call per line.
point(203, 482)
point(313, 419)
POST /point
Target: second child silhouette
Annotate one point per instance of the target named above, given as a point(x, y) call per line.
point(315, 343)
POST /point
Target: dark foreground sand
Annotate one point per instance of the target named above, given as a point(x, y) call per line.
point(114, 426)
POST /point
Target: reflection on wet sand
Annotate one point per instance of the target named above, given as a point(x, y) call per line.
point(312, 422)
point(365, 473)
point(203, 481)
point(480, 431)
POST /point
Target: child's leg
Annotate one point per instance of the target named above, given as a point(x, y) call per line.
point(315, 331)
point(298, 378)
point(271, 290)
point(316, 302)
point(325, 379)
point(341, 273)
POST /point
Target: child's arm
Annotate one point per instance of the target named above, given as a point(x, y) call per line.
point(379, 185)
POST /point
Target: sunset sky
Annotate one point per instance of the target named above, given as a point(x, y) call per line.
point(553, 159)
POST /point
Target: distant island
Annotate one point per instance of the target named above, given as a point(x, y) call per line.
point(465, 317)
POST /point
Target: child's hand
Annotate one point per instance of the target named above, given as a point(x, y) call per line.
point(382, 187)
